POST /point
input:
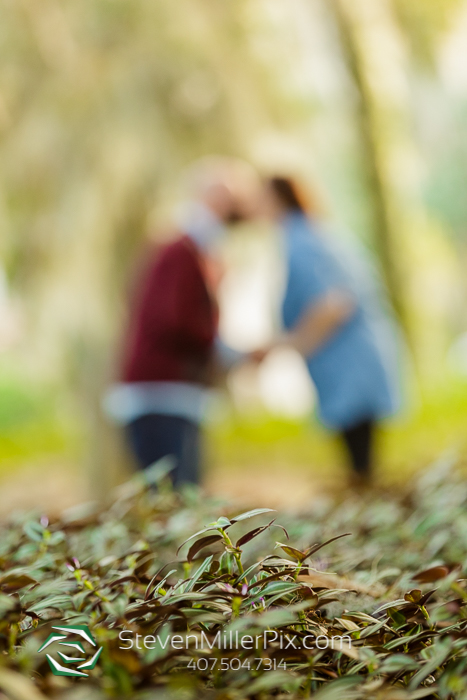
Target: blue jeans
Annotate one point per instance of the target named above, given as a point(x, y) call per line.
point(154, 436)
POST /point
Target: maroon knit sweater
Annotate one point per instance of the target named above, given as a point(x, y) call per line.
point(173, 319)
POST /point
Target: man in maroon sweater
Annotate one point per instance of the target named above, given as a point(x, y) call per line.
point(171, 342)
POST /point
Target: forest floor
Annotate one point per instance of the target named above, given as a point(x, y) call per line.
point(254, 458)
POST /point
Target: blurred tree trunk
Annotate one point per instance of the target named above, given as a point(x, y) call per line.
point(108, 458)
point(384, 220)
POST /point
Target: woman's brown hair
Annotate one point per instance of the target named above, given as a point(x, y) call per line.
point(289, 193)
point(294, 197)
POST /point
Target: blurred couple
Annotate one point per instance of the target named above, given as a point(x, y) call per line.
point(172, 350)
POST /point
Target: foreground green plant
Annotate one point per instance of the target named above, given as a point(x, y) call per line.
point(243, 611)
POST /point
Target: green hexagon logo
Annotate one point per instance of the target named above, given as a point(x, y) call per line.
point(69, 663)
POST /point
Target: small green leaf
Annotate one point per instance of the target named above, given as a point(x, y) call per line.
point(201, 544)
point(251, 514)
point(292, 552)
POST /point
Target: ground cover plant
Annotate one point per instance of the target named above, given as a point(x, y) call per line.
point(377, 613)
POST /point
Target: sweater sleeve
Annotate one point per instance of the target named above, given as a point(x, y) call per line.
point(173, 320)
point(174, 304)
point(192, 311)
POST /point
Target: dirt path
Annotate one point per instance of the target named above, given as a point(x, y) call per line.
point(47, 488)
point(53, 487)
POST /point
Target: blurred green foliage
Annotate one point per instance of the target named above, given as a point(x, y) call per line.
point(33, 424)
point(36, 425)
point(407, 443)
point(425, 21)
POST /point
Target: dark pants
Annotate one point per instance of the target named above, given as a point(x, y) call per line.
point(154, 436)
point(359, 443)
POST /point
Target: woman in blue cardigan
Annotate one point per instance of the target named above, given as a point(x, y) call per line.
point(332, 316)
